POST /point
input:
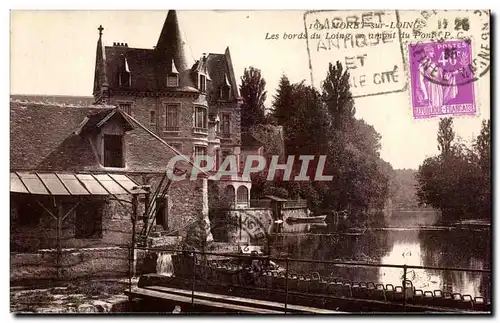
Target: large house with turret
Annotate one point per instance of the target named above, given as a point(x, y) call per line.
point(193, 106)
point(85, 176)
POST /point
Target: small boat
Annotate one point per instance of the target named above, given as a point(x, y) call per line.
point(308, 219)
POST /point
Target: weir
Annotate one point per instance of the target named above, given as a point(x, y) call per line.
point(164, 264)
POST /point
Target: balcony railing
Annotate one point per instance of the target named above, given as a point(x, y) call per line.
point(291, 204)
point(200, 130)
point(173, 129)
point(295, 204)
point(260, 203)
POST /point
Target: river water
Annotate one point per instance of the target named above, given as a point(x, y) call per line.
point(398, 238)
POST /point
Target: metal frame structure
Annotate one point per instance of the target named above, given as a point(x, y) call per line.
point(60, 186)
point(288, 260)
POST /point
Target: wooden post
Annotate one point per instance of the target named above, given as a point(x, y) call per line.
point(58, 243)
point(146, 204)
point(134, 220)
point(59, 218)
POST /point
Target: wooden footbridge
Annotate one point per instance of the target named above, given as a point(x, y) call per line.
point(201, 301)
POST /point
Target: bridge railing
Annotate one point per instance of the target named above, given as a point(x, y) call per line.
point(286, 263)
point(260, 203)
point(295, 204)
point(289, 204)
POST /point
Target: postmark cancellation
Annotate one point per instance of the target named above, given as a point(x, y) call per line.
point(440, 78)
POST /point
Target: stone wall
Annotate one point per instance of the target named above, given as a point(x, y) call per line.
point(251, 225)
point(74, 263)
point(187, 203)
point(142, 106)
point(116, 226)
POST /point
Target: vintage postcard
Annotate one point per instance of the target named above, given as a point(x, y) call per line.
point(263, 162)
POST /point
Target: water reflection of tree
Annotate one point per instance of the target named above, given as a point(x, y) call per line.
point(360, 245)
point(458, 248)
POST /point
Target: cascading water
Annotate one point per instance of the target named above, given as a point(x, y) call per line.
point(164, 264)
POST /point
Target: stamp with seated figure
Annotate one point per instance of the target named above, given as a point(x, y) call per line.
point(441, 77)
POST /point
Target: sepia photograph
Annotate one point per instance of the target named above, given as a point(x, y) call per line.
point(250, 162)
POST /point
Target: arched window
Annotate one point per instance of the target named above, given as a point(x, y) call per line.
point(242, 195)
point(229, 194)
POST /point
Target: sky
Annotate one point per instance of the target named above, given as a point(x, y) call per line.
point(53, 53)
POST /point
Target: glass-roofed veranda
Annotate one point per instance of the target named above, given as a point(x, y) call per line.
point(41, 202)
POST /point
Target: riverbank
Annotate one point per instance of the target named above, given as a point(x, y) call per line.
point(78, 296)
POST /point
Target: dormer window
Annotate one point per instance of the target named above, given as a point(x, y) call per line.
point(202, 83)
point(173, 76)
point(172, 80)
point(225, 89)
point(224, 92)
point(113, 150)
point(125, 80)
point(106, 130)
point(124, 77)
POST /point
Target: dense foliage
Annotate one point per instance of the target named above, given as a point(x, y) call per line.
point(458, 180)
point(403, 189)
point(252, 90)
point(323, 123)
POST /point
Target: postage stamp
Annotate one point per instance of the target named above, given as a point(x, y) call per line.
point(441, 75)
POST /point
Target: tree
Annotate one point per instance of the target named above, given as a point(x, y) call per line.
point(299, 109)
point(282, 101)
point(253, 92)
point(446, 135)
point(482, 147)
point(429, 190)
point(457, 181)
point(338, 97)
point(306, 126)
point(359, 180)
point(324, 124)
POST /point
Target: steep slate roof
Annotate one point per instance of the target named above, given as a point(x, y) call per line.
point(97, 118)
point(220, 70)
point(44, 137)
point(170, 44)
point(54, 99)
point(41, 136)
point(148, 67)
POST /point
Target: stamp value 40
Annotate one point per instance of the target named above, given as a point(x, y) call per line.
point(441, 77)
